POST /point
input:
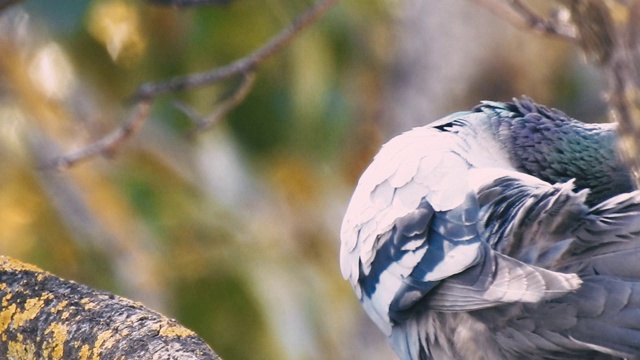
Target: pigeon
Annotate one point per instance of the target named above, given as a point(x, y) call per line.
point(511, 231)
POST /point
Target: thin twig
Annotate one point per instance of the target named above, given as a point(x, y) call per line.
point(229, 104)
point(108, 144)
point(520, 15)
point(149, 91)
point(188, 111)
point(537, 23)
point(203, 123)
point(243, 65)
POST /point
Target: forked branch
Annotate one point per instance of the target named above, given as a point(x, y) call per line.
point(147, 92)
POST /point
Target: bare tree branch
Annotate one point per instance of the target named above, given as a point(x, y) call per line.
point(598, 35)
point(203, 123)
point(46, 317)
point(243, 65)
point(108, 144)
point(147, 92)
point(518, 14)
point(224, 108)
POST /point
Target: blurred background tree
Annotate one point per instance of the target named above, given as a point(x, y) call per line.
point(235, 232)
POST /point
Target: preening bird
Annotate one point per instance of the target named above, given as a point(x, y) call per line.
point(511, 231)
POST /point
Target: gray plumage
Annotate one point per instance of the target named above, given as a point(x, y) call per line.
point(511, 231)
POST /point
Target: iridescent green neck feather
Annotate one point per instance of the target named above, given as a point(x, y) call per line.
point(551, 146)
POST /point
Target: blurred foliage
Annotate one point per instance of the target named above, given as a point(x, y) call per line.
point(236, 234)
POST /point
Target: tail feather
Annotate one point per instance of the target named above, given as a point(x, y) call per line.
point(601, 317)
point(606, 255)
point(608, 316)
